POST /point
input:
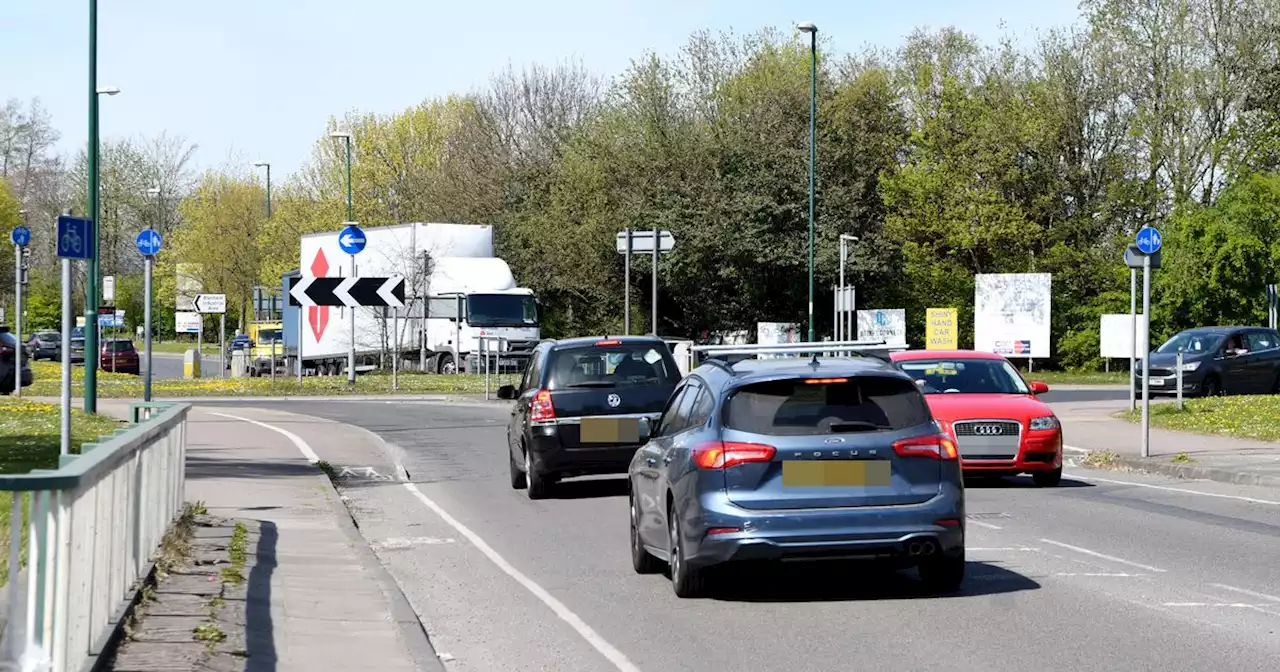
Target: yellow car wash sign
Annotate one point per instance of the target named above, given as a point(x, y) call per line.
point(941, 330)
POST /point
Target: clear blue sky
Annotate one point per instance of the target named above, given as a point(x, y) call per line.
point(258, 78)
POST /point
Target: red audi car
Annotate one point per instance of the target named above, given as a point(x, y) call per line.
point(983, 402)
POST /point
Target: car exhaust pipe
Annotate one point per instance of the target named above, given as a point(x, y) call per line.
point(915, 548)
point(928, 548)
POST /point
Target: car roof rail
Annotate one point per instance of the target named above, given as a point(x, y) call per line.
point(878, 349)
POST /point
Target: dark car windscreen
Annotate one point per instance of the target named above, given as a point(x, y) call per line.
point(618, 365)
point(502, 310)
point(965, 376)
point(794, 406)
point(1191, 342)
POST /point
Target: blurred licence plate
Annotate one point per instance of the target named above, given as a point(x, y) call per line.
point(609, 430)
point(1156, 382)
point(818, 473)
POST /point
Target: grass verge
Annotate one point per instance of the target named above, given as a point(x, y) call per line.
point(1078, 377)
point(1248, 417)
point(118, 386)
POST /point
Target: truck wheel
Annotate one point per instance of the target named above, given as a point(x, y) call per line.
point(444, 364)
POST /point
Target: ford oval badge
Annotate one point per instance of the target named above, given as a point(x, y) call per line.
point(834, 439)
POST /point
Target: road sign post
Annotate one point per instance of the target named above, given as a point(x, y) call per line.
point(73, 241)
point(629, 241)
point(148, 243)
point(1149, 242)
point(626, 282)
point(352, 241)
point(21, 237)
point(215, 304)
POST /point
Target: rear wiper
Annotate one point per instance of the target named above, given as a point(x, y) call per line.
point(855, 426)
point(594, 383)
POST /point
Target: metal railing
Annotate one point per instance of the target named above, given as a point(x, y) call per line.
point(93, 527)
point(488, 352)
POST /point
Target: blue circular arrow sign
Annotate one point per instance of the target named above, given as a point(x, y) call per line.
point(1148, 240)
point(351, 240)
point(21, 236)
point(148, 242)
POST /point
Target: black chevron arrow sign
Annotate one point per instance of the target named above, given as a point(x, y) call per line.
point(348, 292)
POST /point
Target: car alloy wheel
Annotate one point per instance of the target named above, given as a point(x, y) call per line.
point(641, 560)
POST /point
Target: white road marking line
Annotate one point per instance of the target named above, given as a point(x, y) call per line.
point(1103, 556)
point(297, 440)
point(1234, 605)
point(597, 642)
point(1116, 574)
point(1008, 548)
point(1246, 591)
point(1184, 491)
point(989, 526)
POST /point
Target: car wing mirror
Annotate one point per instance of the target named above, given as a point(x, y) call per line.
point(646, 429)
point(507, 392)
point(1038, 387)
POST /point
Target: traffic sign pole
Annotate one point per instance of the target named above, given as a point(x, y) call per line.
point(222, 345)
point(351, 352)
point(1146, 359)
point(67, 324)
point(626, 285)
point(146, 326)
point(17, 318)
point(1133, 338)
point(352, 241)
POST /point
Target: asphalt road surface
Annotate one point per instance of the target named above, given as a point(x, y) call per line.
point(1108, 572)
point(1098, 393)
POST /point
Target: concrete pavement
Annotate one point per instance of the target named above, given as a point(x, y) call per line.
point(1089, 427)
point(325, 602)
point(1110, 571)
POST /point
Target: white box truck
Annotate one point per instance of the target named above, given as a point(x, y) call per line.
point(451, 274)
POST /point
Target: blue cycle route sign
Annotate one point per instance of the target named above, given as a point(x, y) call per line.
point(1148, 240)
point(148, 242)
point(75, 238)
point(21, 236)
point(351, 240)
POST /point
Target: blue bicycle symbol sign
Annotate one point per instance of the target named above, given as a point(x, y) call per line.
point(75, 238)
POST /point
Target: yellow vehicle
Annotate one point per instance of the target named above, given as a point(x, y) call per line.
point(264, 336)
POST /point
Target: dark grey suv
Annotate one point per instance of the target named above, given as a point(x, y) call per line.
point(14, 368)
point(797, 459)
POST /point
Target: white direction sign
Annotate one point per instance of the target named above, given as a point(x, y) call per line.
point(642, 242)
point(211, 304)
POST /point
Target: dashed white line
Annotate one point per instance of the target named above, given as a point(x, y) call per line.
point(1232, 605)
point(1006, 548)
point(1115, 574)
point(1185, 491)
point(293, 438)
point(1103, 556)
point(613, 655)
point(989, 526)
point(1246, 591)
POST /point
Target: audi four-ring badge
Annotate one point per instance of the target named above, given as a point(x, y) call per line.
point(995, 416)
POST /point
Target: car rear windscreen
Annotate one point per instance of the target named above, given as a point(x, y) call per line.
point(857, 404)
point(119, 346)
point(619, 365)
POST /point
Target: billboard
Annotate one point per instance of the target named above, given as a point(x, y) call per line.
point(186, 322)
point(1115, 336)
point(1011, 314)
point(888, 325)
point(776, 333)
point(942, 329)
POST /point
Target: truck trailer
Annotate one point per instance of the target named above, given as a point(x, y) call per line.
point(457, 292)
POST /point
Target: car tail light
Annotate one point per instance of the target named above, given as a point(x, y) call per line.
point(725, 454)
point(824, 381)
point(541, 409)
point(610, 342)
point(935, 446)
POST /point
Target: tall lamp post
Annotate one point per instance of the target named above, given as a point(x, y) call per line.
point(264, 164)
point(351, 356)
point(91, 359)
point(809, 27)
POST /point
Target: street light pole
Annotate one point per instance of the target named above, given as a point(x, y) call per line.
point(351, 355)
point(91, 358)
point(264, 164)
point(809, 27)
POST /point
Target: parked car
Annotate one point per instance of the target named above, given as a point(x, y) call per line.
point(584, 406)
point(119, 355)
point(77, 348)
point(1215, 361)
point(983, 404)
point(45, 345)
point(796, 459)
point(13, 359)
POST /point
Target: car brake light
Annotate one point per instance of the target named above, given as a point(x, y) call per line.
point(726, 454)
point(824, 381)
point(934, 446)
point(612, 342)
point(541, 409)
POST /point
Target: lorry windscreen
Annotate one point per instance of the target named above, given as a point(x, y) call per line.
point(502, 310)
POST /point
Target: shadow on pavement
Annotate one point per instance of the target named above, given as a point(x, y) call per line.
point(985, 482)
point(259, 632)
point(199, 466)
point(589, 488)
point(853, 581)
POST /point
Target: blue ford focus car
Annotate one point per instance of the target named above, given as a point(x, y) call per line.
point(796, 459)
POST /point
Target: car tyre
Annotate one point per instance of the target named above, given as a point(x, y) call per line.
point(1212, 387)
point(942, 573)
point(1047, 479)
point(537, 486)
point(641, 559)
point(687, 581)
point(517, 477)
